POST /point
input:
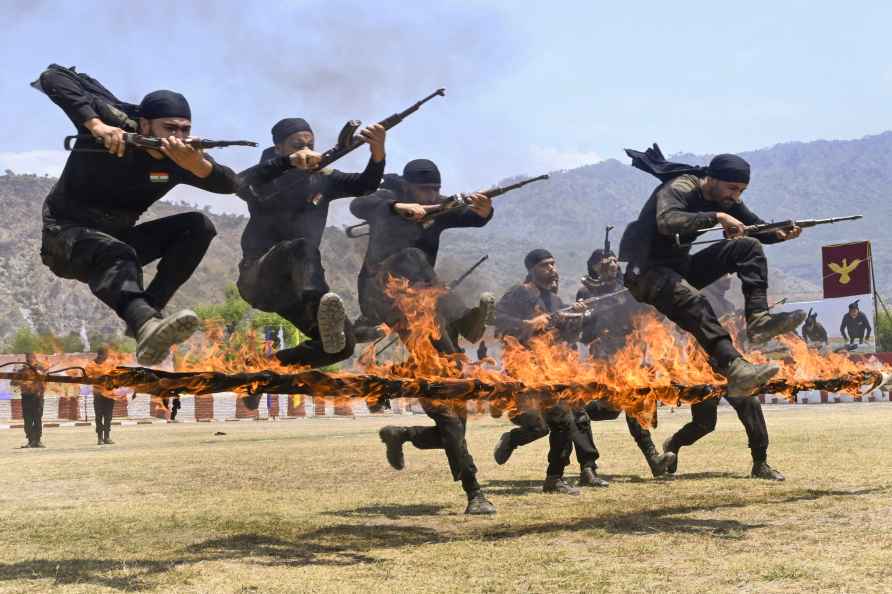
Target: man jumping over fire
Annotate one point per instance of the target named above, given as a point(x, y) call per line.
point(662, 272)
point(403, 243)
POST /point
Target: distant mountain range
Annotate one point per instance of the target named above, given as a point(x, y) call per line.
point(565, 214)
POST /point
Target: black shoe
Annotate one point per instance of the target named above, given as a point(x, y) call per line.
point(99, 440)
point(557, 484)
point(588, 477)
point(479, 505)
point(659, 463)
point(504, 449)
point(108, 441)
point(366, 333)
point(483, 316)
point(38, 444)
point(669, 448)
point(763, 326)
point(761, 470)
point(394, 438)
point(744, 377)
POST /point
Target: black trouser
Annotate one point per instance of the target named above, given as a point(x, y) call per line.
point(175, 407)
point(411, 264)
point(111, 263)
point(704, 415)
point(599, 411)
point(102, 409)
point(32, 415)
point(558, 423)
point(447, 434)
point(289, 280)
point(674, 289)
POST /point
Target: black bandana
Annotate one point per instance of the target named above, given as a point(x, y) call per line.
point(288, 126)
point(728, 168)
point(164, 104)
point(421, 171)
point(536, 256)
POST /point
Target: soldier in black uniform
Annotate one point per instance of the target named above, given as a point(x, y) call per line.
point(402, 245)
point(605, 334)
point(281, 269)
point(523, 312)
point(855, 325)
point(704, 415)
point(89, 218)
point(32, 400)
point(103, 403)
point(663, 273)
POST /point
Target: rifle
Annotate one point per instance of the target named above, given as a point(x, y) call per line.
point(607, 231)
point(348, 141)
point(452, 286)
point(150, 142)
point(449, 204)
point(751, 230)
point(571, 312)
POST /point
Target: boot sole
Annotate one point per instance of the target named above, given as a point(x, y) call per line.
point(790, 326)
point(331, 317)
point(172, 330)
point(760, 379)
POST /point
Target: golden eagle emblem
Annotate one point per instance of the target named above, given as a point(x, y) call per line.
point(844, 269)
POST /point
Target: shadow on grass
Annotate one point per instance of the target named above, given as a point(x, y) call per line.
point(350, 544)
point(512, 488)
point(393, 512)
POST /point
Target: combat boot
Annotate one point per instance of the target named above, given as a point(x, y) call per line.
point(107, 440)
point(659, 463)
point(763, 326)
point(331, 317)
point(394, 438)
point(588, 477)
point(99, 439)
point(744, 377)
point(669, 447)
point(364, 330)
point(504, 449)
point(157, 335)
point(557, 484)
point(479, 505)
point(762, 470)
point(479, 318)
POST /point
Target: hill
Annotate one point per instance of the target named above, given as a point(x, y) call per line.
point(566, 214)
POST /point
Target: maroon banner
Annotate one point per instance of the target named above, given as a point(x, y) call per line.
point(846, 269)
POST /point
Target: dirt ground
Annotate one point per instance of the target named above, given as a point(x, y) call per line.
point(312, 506)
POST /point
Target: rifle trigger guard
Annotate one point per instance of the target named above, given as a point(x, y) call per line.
point(345, 137)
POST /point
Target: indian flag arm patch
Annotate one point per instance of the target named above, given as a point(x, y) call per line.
point(159, 177)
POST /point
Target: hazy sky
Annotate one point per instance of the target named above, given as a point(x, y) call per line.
point(532, 86)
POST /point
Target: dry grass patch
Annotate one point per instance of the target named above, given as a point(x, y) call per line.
point(311, 506)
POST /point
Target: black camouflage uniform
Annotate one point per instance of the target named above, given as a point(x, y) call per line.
point(605, 334)
point(89, 218)
point(407, 249)
point(281, 269)
point(537, 418)
point(32, 403)
point(855, 328)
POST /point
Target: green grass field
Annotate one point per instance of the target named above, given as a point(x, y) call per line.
point(311, 506)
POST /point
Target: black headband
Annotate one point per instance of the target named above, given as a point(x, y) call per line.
point(729, 168)
point(164, 104)
point(536, 256)
point(421, 171)
point(288, 126)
